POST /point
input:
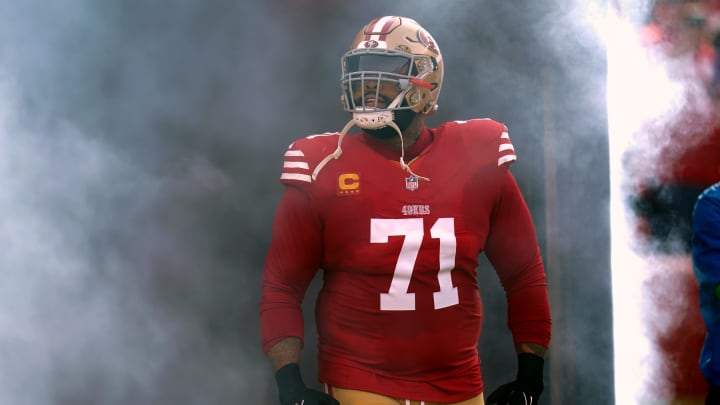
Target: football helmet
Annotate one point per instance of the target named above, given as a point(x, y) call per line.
point(391, 50)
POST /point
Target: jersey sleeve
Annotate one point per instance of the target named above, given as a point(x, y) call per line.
point(295, 250)
point(513, 250)
point(706, 236)
point(705, 250)
point(303, 157)
point(488, 141)
point(506, 150)
point(292, 261)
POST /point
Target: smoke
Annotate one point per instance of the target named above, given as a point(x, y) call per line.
point(130, 225)
point(661, 127)
point(140, 148)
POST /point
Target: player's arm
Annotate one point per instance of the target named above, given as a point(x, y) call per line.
point(292, 260)
point(512, 245)
point(705, 249)
point(706, 242)
point(532, 348)
point(513, 250)
point(286, 351)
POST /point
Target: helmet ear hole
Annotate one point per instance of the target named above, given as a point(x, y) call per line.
point(430, 109)
point(414, 98)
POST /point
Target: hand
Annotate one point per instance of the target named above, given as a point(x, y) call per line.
point(511, 394)
point(526, 388)
point(293, 390)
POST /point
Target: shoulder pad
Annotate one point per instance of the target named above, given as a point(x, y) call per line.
point(303, 155)
point(487, 136)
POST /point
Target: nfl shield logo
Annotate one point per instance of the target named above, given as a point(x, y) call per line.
point(411, 183)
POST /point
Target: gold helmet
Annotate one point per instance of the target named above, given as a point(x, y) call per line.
point(394, 50)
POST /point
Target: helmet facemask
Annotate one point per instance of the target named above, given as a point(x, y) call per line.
point(367, 71)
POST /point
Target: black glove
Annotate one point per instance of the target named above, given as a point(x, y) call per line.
point(713, 395)
point(526, 388)
point(293, 390)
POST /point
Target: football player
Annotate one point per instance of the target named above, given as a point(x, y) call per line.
point(396, 217)
point(706, 265)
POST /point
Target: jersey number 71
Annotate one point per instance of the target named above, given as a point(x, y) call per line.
point(398, 298)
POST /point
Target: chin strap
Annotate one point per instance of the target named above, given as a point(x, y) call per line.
point(404, 165)
point(338, 151)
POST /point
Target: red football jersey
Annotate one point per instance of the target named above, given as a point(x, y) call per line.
point(399, 312)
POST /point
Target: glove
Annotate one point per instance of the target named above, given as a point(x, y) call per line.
point(526, 388)
point(293, 390)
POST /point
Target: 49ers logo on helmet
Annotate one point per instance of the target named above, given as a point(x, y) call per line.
point(425, 39)
point(371, 43)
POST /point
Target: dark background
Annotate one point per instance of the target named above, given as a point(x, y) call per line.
point(140, 149)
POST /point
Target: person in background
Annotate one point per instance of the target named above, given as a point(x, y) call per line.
point(396, 217)
point(706, 265)
point(665, 166)
point(671, 158)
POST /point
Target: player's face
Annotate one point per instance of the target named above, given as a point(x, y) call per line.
point(375, 93)
point(379, 85)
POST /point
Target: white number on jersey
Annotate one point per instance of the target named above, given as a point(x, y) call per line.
point(398, 298)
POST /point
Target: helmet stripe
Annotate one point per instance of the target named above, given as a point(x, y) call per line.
point(371, 25)
point(378, 28)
